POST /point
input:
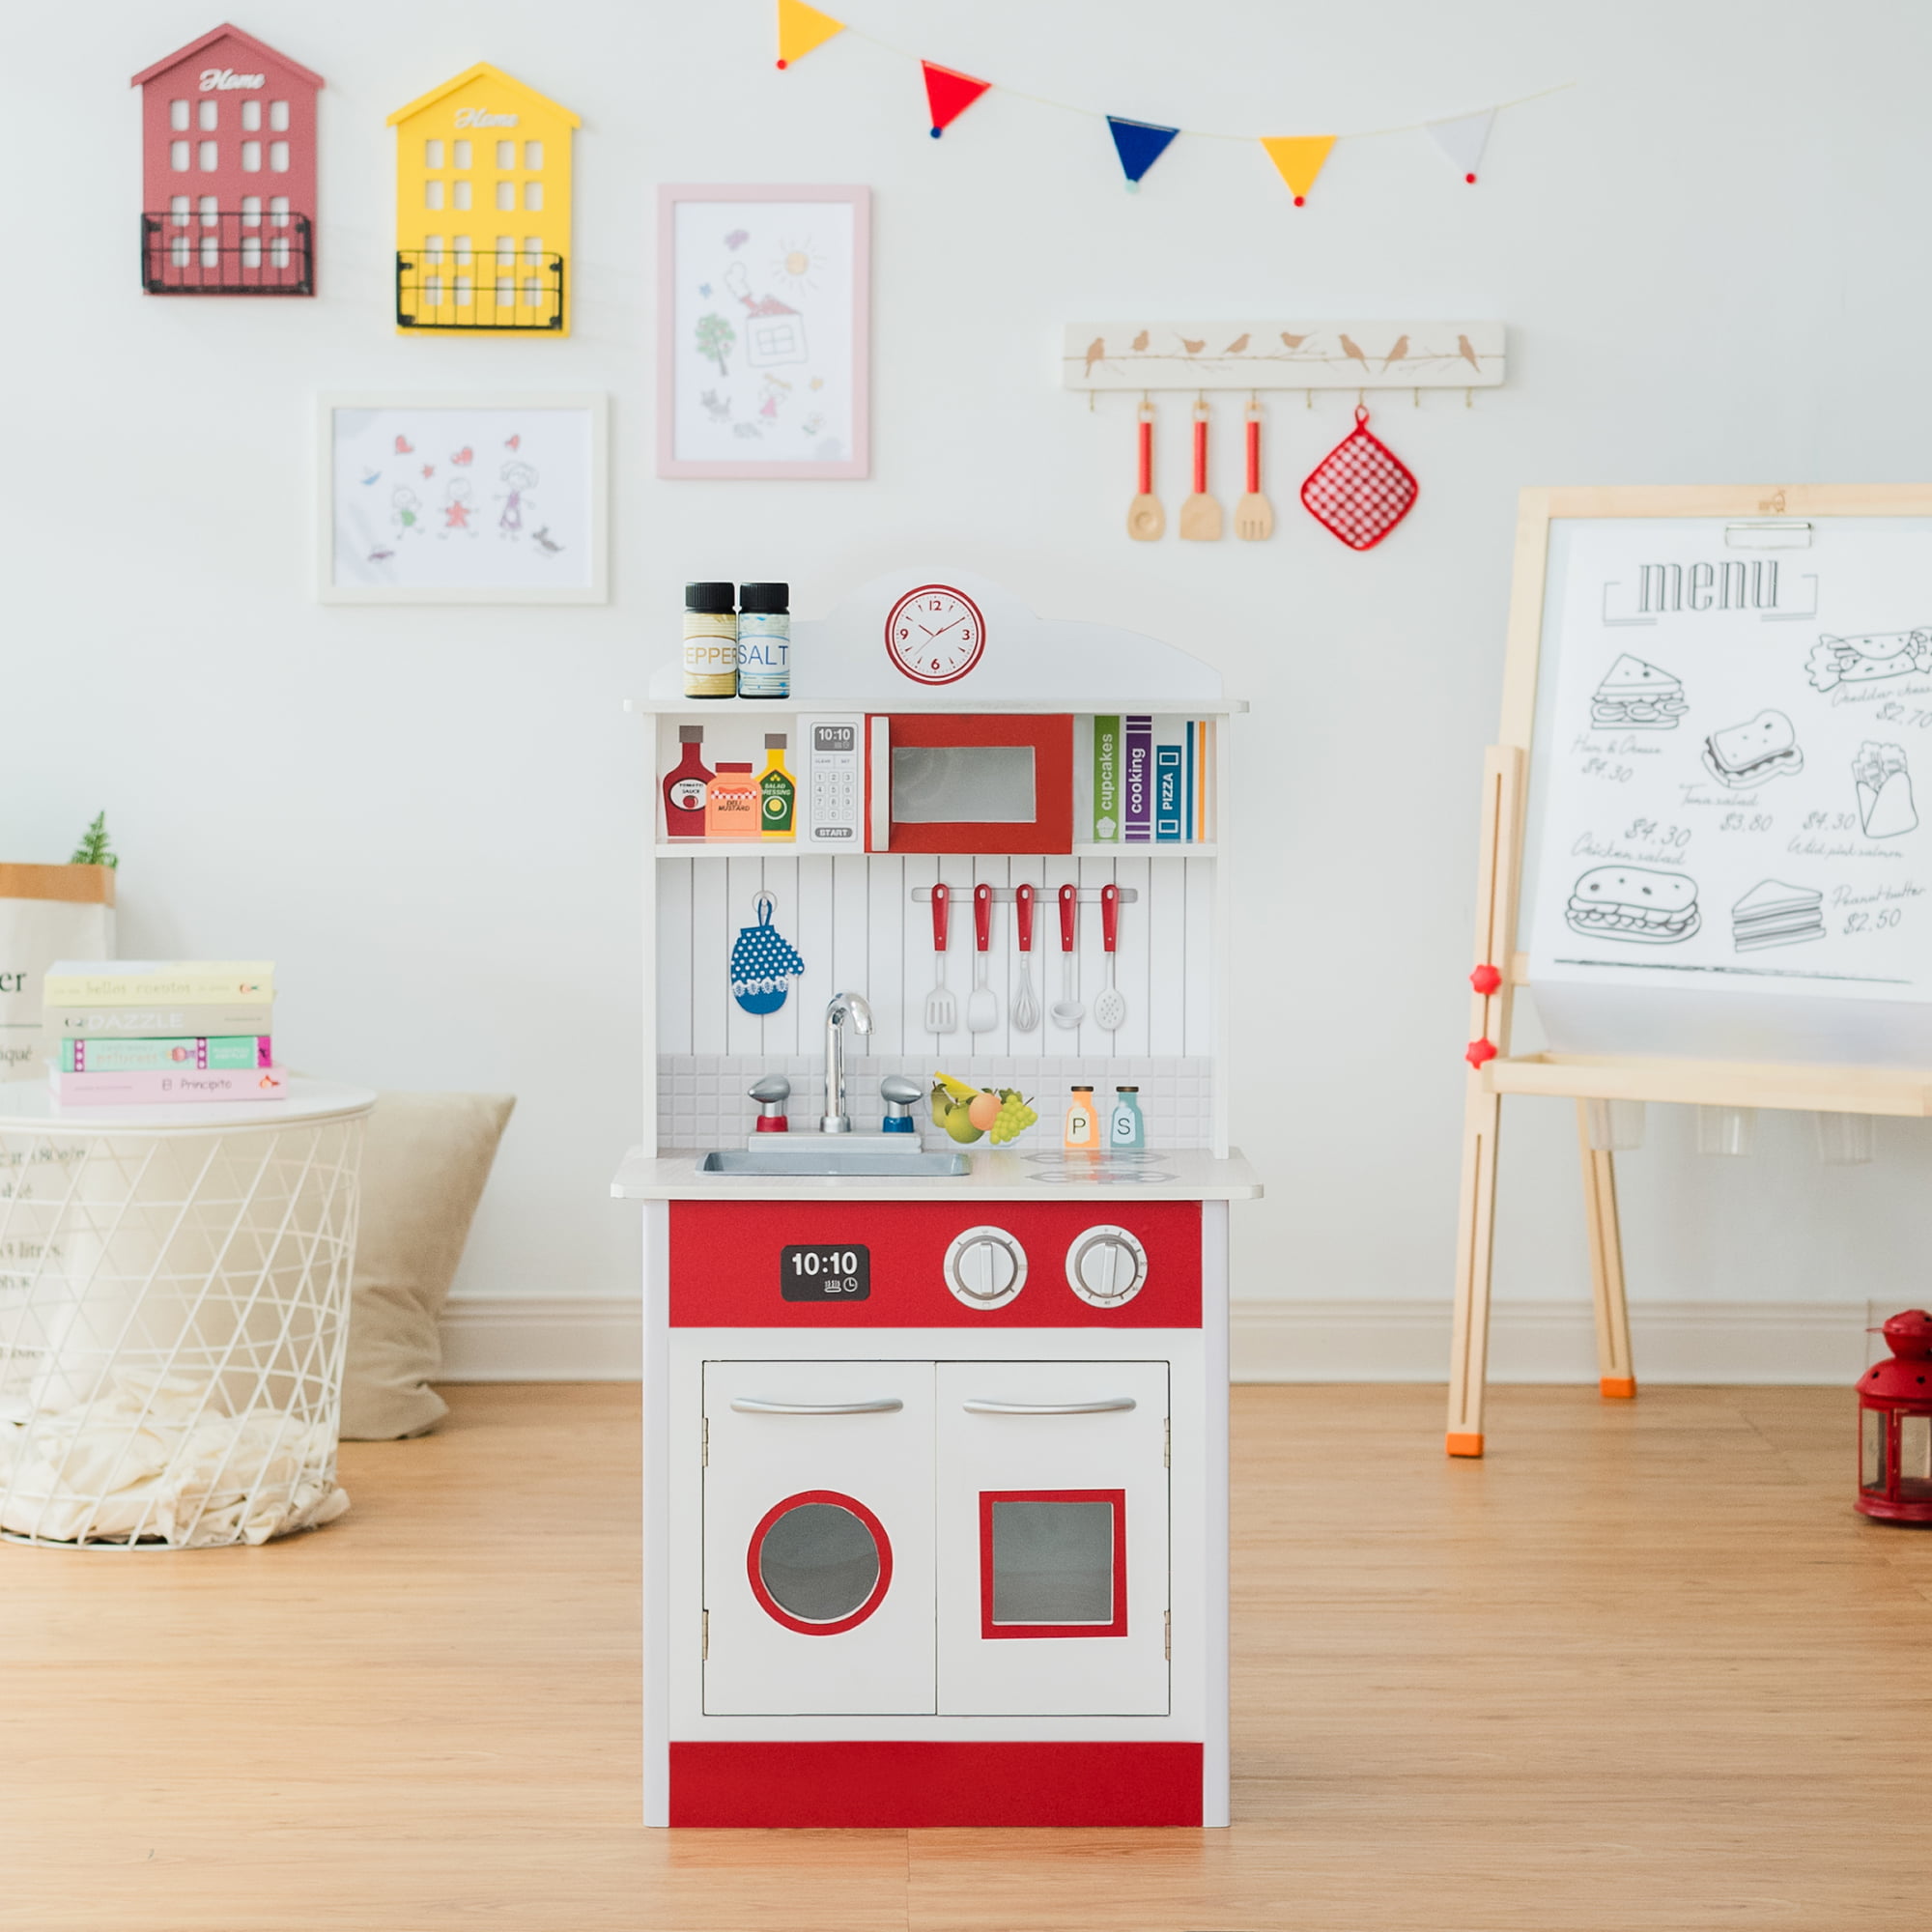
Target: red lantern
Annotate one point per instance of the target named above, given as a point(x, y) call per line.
point(1896, 1425)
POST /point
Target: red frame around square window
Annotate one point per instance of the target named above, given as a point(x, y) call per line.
point(1051, 737)
point(1116, 1497)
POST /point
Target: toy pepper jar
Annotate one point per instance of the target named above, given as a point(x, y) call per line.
point(1896, 1425)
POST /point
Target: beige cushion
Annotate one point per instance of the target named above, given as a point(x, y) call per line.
point(424, 1164)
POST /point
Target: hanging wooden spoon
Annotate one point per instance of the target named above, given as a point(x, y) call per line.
point(1201, 513)
point(1254, 513)
point(1145, 519)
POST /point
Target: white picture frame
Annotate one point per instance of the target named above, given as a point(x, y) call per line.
point(425, 497)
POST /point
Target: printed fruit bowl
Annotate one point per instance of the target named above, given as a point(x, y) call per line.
point(967, 1112)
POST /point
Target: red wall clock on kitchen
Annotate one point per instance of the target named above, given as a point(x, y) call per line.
point(935, 634)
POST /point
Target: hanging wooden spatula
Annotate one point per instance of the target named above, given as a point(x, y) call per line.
point(1254, 513)
point(1145, 519)
point(1201, 513)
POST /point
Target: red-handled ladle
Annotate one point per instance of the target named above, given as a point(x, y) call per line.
point(1026, 1008)
point(1110, 1009)
point(1067, 1011)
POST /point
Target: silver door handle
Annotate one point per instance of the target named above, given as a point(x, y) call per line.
point(976, 1406)
point(751, 1405)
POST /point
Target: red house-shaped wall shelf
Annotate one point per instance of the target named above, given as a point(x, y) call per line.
point(228, 170)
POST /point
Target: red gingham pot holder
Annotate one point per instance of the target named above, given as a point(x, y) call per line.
point(1360, 489)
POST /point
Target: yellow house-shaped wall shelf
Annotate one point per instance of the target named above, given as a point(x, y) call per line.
point(482, 206)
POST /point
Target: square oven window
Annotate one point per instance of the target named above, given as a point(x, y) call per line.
point(1053, 1563)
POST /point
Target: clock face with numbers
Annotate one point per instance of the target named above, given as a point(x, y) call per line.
point(935, 634)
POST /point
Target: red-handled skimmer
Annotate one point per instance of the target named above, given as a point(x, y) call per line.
point(1110, 1009)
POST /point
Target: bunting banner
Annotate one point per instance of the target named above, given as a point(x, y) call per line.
point(801, 28)
point(1297, 158)
point(1139, 144)
point(949, 95)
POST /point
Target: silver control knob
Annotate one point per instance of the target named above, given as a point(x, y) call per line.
point(1106, 1266)
point(985, 1268)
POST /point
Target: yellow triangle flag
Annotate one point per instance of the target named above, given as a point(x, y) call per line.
point(1298, 158)
point(801, 28)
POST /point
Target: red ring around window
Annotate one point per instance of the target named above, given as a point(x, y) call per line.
point(776, 1610)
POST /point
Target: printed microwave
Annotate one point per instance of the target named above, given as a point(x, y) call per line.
point(925, 781)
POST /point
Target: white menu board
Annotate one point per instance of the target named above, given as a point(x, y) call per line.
point(1727, 855)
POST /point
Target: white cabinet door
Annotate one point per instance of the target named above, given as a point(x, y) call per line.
point(818, 1537)
point(1053, 1557)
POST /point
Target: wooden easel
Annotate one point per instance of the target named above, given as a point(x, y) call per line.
point(1499, 968)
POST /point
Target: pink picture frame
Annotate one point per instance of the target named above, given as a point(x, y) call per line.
point(764, 339)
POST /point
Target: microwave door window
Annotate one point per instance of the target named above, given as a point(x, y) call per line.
point(963, 785)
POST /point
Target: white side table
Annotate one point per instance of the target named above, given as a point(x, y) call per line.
point(174, 1304)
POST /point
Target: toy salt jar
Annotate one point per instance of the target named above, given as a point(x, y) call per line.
point(1896, 1425)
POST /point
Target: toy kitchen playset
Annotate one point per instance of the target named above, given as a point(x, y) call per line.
point(935, 1392)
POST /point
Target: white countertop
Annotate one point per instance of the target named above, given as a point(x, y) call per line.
point(1189, 1173)
point(29, 1103)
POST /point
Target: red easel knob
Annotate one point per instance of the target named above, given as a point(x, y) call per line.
point(1480, 1052)
point(1486, 979)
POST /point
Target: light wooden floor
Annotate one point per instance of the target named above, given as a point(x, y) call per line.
point(1642, 1668)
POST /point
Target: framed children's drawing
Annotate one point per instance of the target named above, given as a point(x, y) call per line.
point(763, 295)
point(461, 500)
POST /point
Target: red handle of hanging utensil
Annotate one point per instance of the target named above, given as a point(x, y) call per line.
point(941, 894)
point(1023, 913)
point(1254, 456)
point(1110, 918)
point(1146, 457)
point(1068, 895)
point(983, 916)
point(1201, 456)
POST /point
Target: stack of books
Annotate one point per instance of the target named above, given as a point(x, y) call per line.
point(130, 1032)
point(1154, 781)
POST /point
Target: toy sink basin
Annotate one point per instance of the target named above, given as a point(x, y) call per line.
point(816, 1157)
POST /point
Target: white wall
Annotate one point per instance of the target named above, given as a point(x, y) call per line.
point(1710, 255)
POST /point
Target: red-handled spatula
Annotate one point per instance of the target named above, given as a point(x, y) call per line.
point(1201, 513)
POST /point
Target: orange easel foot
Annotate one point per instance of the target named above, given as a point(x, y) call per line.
point(1618, 1388)
point(1463, 1445)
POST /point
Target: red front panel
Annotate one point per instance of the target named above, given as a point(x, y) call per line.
point(1051, 829)
point(903, 1785)
point(725, 1264)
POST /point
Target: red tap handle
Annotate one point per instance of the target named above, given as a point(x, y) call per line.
point(983, 916)
point(1254, 456)
point(1200, 452)
point(1110, 918)
point(1147, 455)
point(1023, 896)
point(941, 894)
point(1069, 897)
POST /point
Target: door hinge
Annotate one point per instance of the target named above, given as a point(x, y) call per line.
point(1167, 1634)
point(1167, 1443)
point(705, 1461)
point(705, 1654)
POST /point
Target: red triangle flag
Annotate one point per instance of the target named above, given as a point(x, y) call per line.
point(949, 95)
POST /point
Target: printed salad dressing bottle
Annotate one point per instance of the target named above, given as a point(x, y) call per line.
point(710, 640)
point(776, 794)
point(684, 787)
point(1083, 1124)
point(731, 803)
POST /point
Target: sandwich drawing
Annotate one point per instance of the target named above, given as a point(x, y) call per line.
point(1638, 696)
point(1885, 791)
point(1761, 748)
point(1635, 904)
point(1775, 914)
point(1836, 661)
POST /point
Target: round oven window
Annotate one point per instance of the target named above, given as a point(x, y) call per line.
point(819, 1562)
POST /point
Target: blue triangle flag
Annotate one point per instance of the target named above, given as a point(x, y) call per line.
point(1139, 144)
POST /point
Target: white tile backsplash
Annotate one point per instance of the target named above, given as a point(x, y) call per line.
point(702, 1100)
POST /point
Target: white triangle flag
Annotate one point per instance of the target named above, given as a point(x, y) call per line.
point(1463, 139)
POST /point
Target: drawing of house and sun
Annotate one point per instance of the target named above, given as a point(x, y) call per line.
point(762, 323)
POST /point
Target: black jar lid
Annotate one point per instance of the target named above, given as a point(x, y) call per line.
point(765, 600)
point(714, 599)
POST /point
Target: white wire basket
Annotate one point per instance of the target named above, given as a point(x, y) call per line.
point(173, 1310)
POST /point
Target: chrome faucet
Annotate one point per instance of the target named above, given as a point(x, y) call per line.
point(844, 1007)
